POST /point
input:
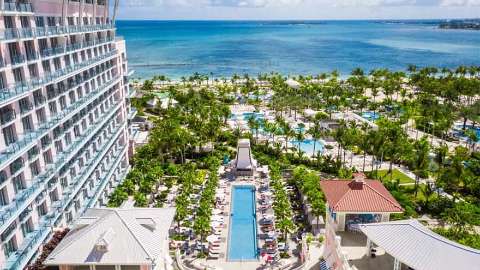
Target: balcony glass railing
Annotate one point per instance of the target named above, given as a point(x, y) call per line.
point(23, 199)
point(40, 32)
point(73, 47)
point(18, 148)
point(17, 7)
point(7, 116)
point(23, 87)
point(33, 240)
point(17, 59)
point(100, 185)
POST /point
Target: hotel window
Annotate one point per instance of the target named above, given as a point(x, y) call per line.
point(9, 22)
point(59, 146)
point(42, 209)
point(9, 134)
point(64, 182)
point(39, 22)
point(71, 95)
point(46, 66)
point(35, 168)
point(51, 21)
point(17, 74)
point(27, 123)
point(10, 247)
point(69, 219)
point(38, 98)
point(19, 183)
point(57, 64)
point(41, 117)
point(54, 196)
point(63, 102)
point(68, 139)
point(3, 197)
point(25, 22)
point(33, 71)
point(27, 227)
point(47, 157)
point(52, 107)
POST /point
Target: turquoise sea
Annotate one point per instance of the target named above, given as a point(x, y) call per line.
point(222, 48)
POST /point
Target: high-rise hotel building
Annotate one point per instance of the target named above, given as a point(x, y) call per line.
point(64, 116)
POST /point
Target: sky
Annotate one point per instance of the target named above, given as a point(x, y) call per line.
point(297, 9)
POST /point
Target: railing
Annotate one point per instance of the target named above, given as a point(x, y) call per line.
point(7, 116)
point(17, 7)
point(21, 202)
point(132, 113)
point(23, 87)
point(73, 47)
point(40, 32)
point(30, 245)
point(18, 148)
point(101, 184)
point(17, 59)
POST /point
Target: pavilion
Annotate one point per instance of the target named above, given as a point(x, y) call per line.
point(413, 245)
point(244, 163)
point(358, 201)
point(116, 238)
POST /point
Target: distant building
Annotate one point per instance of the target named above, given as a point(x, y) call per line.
point(359, 201)
point(116, 239)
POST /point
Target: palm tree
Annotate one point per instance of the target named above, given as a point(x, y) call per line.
point(421, 160)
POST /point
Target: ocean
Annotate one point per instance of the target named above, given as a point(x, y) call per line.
point(223, 48)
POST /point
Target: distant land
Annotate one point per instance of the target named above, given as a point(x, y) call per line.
point(467, 24)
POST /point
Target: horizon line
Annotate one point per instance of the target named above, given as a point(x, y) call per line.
point(312, 20)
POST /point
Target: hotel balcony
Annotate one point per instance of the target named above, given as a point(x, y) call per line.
point(60, 50)
point(49, 31)
point(18, 89)
point(18, 148)
point(100, 185)
point(132, 114)
point(17, 7)
point(11, 211)
point(32, 242)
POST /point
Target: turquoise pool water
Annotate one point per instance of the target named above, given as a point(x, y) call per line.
point(307, 146)
point(242, 244)
point(463, 135)
point(370, 116)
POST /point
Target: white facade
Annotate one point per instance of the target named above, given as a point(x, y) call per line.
point(64, 111)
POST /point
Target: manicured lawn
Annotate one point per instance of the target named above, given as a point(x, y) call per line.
point(404, 179)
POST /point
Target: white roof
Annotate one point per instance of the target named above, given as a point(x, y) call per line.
point(243, 158)
point(418, 247)
point(131, 236)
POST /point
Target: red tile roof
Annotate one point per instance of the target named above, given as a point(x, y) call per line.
point(359, 196)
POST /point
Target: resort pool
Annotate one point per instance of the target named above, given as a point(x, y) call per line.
point(460, 133)
point(307, 146)
point(242, 242)
point(245, 116)
point(370, 116)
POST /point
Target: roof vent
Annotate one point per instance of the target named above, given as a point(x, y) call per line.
point(147, 223)
point(104, 240)
point(358, 180)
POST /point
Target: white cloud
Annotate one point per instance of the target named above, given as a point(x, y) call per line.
point(373, 3)
point(460, 3)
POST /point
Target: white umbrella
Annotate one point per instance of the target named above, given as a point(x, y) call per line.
point(217, 211)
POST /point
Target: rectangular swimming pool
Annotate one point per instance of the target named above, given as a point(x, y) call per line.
point(242, 243)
